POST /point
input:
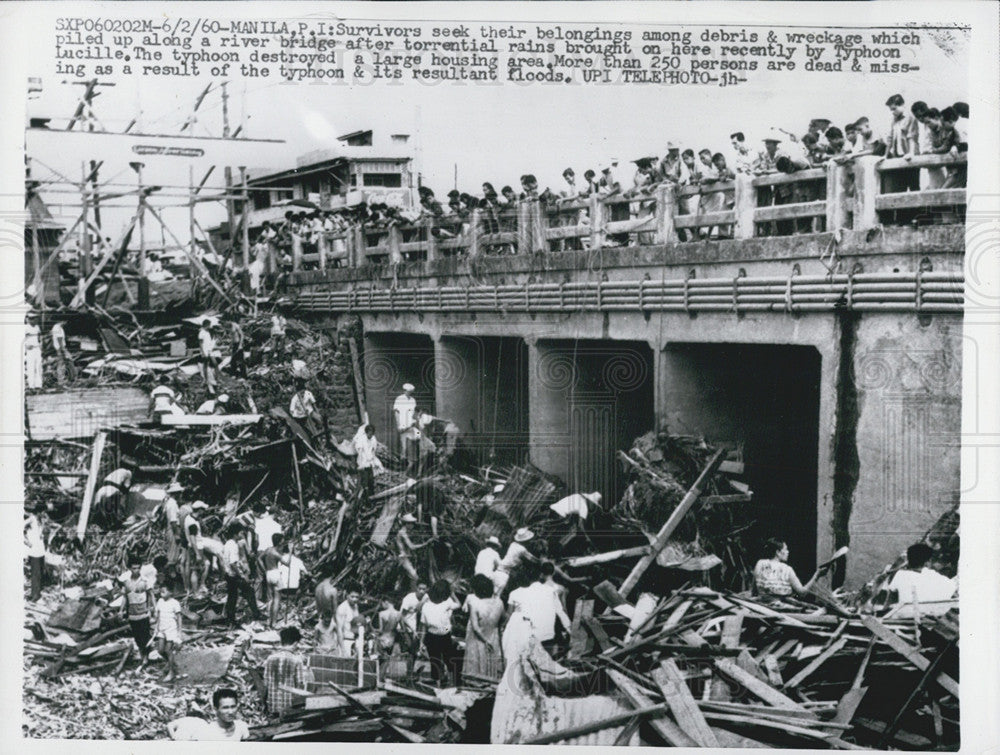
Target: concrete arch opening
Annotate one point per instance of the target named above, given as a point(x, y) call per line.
point(390, 360)
point(482, 386)
point(765, 399)
point(589, 399)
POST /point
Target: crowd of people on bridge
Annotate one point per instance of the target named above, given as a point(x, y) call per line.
point(916, 130)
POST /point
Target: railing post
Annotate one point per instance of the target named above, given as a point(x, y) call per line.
point(523, 227)
point(836, 196)
point(474, 232)
point(866, 190)
point(395, 239)
point(321, 248)
point(296, 252)
point(666, 206)
point(745, 202)
point(431, 241)
point(360, 256)
point(598, 222)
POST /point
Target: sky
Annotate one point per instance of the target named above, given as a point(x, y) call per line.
point(497, 132)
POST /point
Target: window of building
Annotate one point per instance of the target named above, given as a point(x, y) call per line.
point(391, 180)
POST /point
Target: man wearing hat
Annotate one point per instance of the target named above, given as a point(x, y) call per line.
point(214, 405)
point(488, 559)
point(766, 159)
point(403, 411)
point(670, 165)
point(517, 555)
point(572, 512)
point(366, 446)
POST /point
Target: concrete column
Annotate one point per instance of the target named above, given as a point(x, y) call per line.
point(475, 227)
point(745, 202)
point(666, 208)
point(836, 196)
point(598, 222)
point(866, 189)
point(431, 241)
point(395, 239)
point(548, 419)
point(458, 365)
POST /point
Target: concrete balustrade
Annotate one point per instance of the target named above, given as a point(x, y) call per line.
point(857, 195)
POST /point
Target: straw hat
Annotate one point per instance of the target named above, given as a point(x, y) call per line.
point(408, 387)
point(595, 497)
point(523, 535)
point(175, 487)
point(492, 540)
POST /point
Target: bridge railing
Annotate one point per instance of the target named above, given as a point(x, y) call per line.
point(858, 194)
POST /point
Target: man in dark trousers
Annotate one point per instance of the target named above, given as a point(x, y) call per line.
point(237, 577)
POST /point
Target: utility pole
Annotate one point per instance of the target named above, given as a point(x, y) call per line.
point(143, 280)
point(230, 210)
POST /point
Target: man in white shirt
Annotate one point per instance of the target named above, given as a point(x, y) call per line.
point(541, 605)
point(171, 513)
point(32, 353)
point(209, 356)
point(34, 541)
point(403, 409)
point(278, 325)
point(302, 408)
point(488, 559)
point(366, 446)
point(516, 555)
point(920, 588)
point(226, 727)
point(237, 577)
point(409, 611)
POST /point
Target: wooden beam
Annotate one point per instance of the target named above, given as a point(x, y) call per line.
point(208, 420)
point(580, 641)
point(818, 661)
point(682, 704)
point(601, 558)
point(672, 734)
point(359, 382)
point(671, 524)
point(906, 650)
point(755, 686)
point(88, 492)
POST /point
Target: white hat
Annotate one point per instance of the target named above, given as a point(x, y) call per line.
point(498, 488)
point(199, 505)
point(408, 518)
point(408, 387)
point(594, 497)
point(175, 487)
point(523, 535)
point(773, 135)
point(223, 398)
point(493, 539)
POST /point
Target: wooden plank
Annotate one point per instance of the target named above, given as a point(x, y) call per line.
point(848, 705)
point(678, 614)
point(755, 686)
point(672, 734)
point(607, 593)
point(732, 627)
point(388, 492)
point(925, 198)
point(790, 211)
point(580, 641)
point(595, 628)
point(818, 661)
point(746, 662)
point(359, 381)
point(601, 558)
point(906, 650)
point(671, 524)
point(773, 672)
point(683, 706)
point(405, 733)
point(767, 723)
point(389, 686)
point(88, 492)
point(208, 420)
point(386, 518)
point(333, 702)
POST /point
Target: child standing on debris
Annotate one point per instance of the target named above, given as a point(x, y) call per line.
point(278, 325)
point(168, 630)
point(136, 608)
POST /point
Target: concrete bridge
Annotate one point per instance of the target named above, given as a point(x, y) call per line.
point(830, 355)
